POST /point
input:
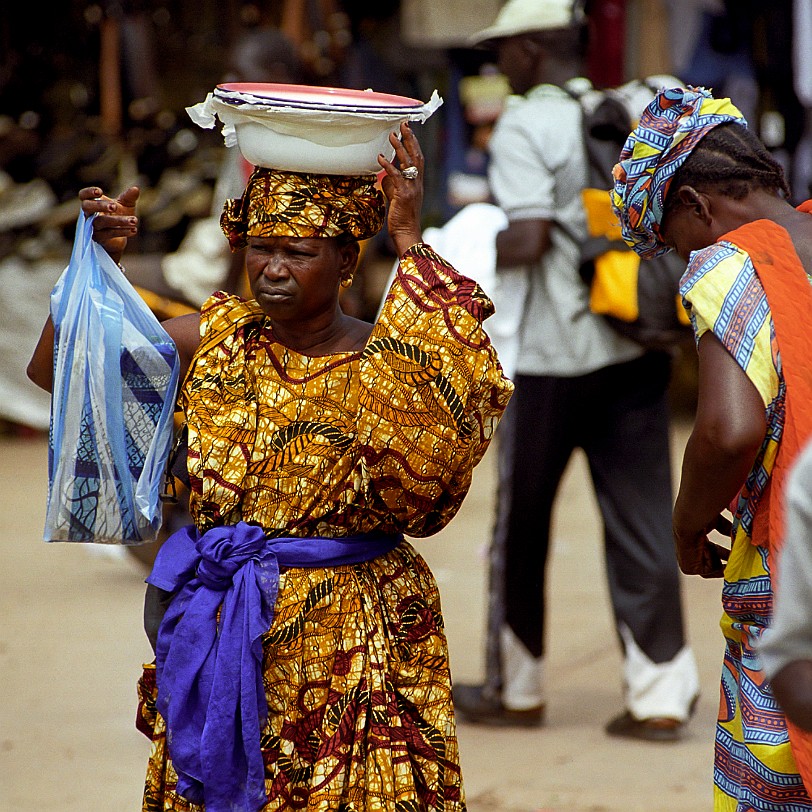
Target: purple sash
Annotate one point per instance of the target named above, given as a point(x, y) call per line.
point(209, 674)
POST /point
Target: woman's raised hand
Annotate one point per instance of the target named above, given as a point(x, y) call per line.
point(403, 187)
point(116, 221)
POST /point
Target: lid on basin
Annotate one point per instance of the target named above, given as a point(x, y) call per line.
point(311, 96)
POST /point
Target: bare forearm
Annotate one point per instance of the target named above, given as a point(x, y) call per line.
point(728, 433)
point(405, 194)
point(711, 478)
point(41, 366)
point(403, 242)
point(523, 242)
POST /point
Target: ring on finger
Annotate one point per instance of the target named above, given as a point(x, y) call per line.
point(410, 172)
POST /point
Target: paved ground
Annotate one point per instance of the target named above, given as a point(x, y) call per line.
point(71, 646)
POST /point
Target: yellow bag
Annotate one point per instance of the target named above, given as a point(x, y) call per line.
point(642, 303)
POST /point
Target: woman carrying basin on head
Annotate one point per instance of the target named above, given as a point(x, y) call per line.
point(693, 178)
point(316, 441)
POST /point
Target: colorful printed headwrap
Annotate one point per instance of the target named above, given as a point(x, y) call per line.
point(669, 129)
point(293, 204)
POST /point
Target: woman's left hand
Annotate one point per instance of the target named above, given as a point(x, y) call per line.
point(405, 194)
point(698, 555)
point(115, 219)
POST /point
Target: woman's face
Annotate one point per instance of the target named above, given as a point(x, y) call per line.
point(298, 278)
point(685, 232)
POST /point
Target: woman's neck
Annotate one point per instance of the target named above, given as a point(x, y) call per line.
point(729, 213)
point(765, 205)
point(343, 333)
point(799, 227)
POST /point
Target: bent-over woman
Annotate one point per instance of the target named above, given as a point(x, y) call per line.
point(694, 179)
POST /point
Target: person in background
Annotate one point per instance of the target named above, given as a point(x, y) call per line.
point(203, 263)
point(578, 384)
point(481, 99)
point(786, 647)
point(693, 178)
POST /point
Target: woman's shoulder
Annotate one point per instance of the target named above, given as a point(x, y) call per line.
point(223, 308)
point(723, 292)
point(723, 267)
point(425, 283)
point(222, 313)
point(724, 295)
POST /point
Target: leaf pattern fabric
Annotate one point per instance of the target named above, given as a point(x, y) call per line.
point(356, 663)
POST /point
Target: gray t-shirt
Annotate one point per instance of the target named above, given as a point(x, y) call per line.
point(537, 171)
point(789, 638)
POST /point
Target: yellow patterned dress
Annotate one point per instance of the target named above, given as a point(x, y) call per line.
point(754, 767)
point(355, 664)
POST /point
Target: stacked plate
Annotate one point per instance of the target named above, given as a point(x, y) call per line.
point(302, 128)
point(307, 97)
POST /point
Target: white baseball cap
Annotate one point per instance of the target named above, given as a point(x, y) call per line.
point(525, 16)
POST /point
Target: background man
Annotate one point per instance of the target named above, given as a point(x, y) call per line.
point(578, 384)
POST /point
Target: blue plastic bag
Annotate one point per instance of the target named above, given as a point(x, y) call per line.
point(115, 383)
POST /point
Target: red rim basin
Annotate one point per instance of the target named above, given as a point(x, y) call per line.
point(311, 94)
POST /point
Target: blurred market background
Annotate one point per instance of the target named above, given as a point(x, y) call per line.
point(95, 93)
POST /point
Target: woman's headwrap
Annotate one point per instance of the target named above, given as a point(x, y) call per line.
point(292, 204)
point(669, 129)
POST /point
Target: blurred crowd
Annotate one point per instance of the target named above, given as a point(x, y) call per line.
point(97, 95)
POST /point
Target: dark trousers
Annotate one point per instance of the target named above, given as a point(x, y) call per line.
point(619, 417)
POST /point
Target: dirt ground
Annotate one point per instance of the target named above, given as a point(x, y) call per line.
point(71, 647)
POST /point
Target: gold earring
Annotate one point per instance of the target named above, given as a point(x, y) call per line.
point(346, 282)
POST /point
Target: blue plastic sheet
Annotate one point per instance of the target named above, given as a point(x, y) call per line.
point(115, 383)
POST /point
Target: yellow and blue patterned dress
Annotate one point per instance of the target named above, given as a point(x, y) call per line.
point(355, 666)
point(754, 768)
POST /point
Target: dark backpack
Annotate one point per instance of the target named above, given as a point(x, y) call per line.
point(644, 306)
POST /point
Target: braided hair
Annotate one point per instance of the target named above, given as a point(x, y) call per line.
point(732, 160)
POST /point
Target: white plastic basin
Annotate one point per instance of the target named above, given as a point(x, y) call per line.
point(341, 148)
point(337, 136)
